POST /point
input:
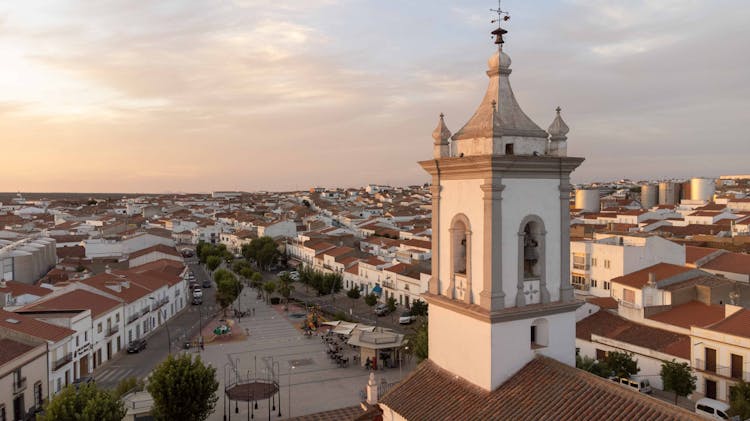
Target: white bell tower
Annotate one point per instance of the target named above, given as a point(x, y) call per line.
point(499, 292)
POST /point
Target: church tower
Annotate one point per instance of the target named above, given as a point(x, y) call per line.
point(499, 292)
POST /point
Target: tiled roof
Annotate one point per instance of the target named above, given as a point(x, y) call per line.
point(10, 349)
point(693, 253)
point(738, 324)
point(607, 303)
point(693, 313)
point(612, 326)
point(348, 413)
point(730, 262)
point(33, 327)
point(544, 389)
point(158, 248)
point(76, 300)
point(639, 279)
point(19, 288)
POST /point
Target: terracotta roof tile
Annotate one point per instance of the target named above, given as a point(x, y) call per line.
point(10, 349)
point(76, 300)
point(738, 324)
point(730, 262)
point(693, 313)
point(693, 253)
point(639, 279)
point(544, 389)
point(34, 327)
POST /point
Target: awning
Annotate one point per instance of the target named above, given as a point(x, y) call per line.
point(377, 290)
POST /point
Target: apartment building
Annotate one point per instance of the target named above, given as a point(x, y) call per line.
point(23, 378)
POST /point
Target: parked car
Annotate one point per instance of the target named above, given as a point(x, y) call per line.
point(294, 276)
point(712, 409)
point(137, 345)
point(197, 293)
point(206, 283)
point(381, 309)
point(406, 318)
point(641, 385)
point(197, 301)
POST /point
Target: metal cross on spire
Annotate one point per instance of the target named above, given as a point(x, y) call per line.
point(502, 16)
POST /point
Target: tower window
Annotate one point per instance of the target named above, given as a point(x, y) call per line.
point(530, 251)
point(509, 149)
point(539, 333)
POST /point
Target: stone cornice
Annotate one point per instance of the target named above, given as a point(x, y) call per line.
point(506, 166)
point(503, 315)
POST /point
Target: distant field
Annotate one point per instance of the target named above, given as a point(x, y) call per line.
point(7, 197)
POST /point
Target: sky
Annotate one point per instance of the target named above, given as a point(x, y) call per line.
point(202, 95)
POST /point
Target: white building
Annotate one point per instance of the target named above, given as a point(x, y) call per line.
point(594, 263)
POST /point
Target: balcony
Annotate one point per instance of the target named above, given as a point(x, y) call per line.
point(60, 362)
point(133, 317)
point(19, 385)
point(389, 284)
point(719, 370)
point(145, 311)
point(581, 266)
point(581, 287)
point(112, 330)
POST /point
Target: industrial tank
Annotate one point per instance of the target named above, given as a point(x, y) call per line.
point(588, 200)
point(669, 193)
point(702, 188)
point(649, 195)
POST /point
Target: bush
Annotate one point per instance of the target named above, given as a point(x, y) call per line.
point(275, 300)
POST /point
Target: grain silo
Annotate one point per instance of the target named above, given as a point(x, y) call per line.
point(702, 188)
point(588, 200)
point(649, 195)
point(669, 193)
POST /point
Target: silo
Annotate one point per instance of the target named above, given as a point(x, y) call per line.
point(669, 193)
point(649, 195)
point(588, 200)
point(702, 188)
point(685, 190)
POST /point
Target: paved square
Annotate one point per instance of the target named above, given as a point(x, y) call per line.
point(318, 384)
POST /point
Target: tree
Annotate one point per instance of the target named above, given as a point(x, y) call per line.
point(418, 343)
point(418, 308)
point(256, 281)
point(592, 366)
point(84, 402)
point(269, 287)
point(228, 288)
point(285, 288)
point(246, 273)
point(371, 299)
point(127, 385)
point(678, 378)
point(739, 401)
point(354, 294)
point(621, 364)
point(213, 262)
point(263, 251)
point(391, 303)
point(183, 388)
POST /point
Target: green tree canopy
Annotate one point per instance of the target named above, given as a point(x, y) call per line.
point(228, 288)
point(371, 299)
point(183, 388)
point(621, 364)
point(213, 262)
point(354, 293)
point(739, 401)
point(418, 343)
point(256, 280)
point(285, 288)
point(592, 366)
point(86, 402)
point(419, 308)
point(246, 272)
point(678, 378)
point(269, 287)
point(263, 251)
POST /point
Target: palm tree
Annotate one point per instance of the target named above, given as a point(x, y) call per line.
point(269, 287)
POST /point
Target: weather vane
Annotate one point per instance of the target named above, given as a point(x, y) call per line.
point(502, 16)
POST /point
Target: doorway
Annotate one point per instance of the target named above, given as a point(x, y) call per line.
point(710, 389)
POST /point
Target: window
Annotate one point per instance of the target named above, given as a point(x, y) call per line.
point(539, 333)
point(578, 281)
point(606, 285)
point(593, 283)
point(601, 355)
point(509, 149)
point(86, 336)
point(736, 366)
point(117, 318)
point(99, 328)
point(38, 394)
point(77, 341)
point(3, 417)
point(606, 264)
point(628, 295)
point(593, 261)
point(579, 261)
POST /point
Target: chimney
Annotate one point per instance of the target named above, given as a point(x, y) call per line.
point(107, 269)
point(372, 390)
point(2, 283)
point(651, 278)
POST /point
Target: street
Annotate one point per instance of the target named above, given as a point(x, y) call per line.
point(181, 327)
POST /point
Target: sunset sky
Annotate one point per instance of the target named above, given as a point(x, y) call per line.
point(189, 95)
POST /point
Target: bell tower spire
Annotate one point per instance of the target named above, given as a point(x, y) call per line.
point(500, 238)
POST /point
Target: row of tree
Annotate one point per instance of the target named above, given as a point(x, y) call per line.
point(212, 255)
point(228, 288)
point(263, 251)
point(182, 387)
point(322, 283)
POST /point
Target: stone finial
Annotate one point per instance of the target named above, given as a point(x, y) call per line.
point(441, 134)
point(558, 129)
point(372, 390)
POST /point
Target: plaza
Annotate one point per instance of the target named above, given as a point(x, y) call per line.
point(272, 341)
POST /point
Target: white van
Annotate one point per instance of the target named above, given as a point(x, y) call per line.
point(712, 409)
point(635, 383)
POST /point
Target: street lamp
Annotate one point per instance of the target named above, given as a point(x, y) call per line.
point(289, 397)
point(166, 324)
point(400, 359)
